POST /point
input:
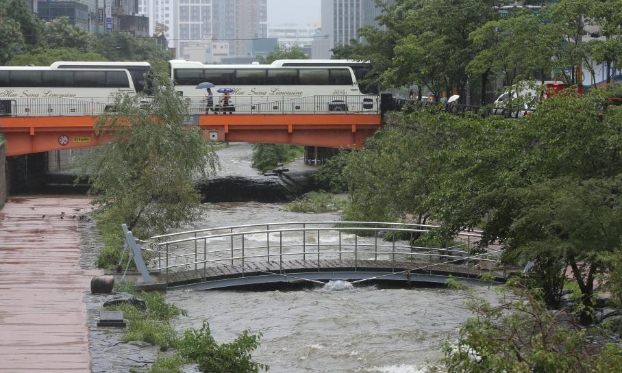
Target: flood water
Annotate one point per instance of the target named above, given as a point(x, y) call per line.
point(365, 329)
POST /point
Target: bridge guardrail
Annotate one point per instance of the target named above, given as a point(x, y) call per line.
point(93, 106)
point(279, 243)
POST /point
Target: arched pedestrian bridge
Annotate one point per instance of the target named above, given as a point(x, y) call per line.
point(312, 252)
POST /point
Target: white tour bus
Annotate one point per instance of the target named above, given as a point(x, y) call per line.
point(46, 91)
point(360, 69)
point(139, 71)
point(272, 89)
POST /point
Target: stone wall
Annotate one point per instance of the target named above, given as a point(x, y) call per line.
point(3, 174)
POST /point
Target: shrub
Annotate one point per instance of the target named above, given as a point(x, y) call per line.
point(329, 176)
point(316, 202)
point(168, 364)
point(199, 346)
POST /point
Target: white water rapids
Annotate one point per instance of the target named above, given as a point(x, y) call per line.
point(360, 329)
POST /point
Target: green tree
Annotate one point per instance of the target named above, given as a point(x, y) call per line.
point(522, 335)
point(268, 156)
point(11, 40)
point(200, 347)
point(392, 177)
point(546, 187)
point(569, 17)
point(283, 53)
point(59, 33)
point(143, 173)
point(31, 27)
point(46, 56)
point(607, 16)
point(516, 48)
point(420, 46)
point(127, 47)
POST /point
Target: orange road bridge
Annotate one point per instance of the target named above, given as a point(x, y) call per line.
point(335, 254)
point(67, 127)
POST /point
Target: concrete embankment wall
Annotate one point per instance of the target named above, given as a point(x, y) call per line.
point(4, 185)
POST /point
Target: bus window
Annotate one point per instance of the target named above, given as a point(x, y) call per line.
point(340, 77)
point(282, 77)
point(116, 79)
point(313, 77)
point(4, 78)
point(25, 78)
point(189, 76)
point(88, 78)
point(220, 77)
point(250, 77)
point(57, 78)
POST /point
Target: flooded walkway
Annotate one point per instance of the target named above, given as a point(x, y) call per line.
point(43, 319)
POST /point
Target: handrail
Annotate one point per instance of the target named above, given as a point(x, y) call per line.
point(311, 242)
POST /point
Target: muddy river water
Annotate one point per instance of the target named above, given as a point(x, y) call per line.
point(365, 329)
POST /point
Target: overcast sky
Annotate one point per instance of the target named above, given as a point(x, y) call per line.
point(300, 12)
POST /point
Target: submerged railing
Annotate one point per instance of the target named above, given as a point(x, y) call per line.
point(309, 244)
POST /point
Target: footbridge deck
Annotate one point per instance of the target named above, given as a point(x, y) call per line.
point(315, 252)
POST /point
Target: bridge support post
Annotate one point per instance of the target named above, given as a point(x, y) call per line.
point(132, 246)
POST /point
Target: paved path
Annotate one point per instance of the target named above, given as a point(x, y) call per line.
point(43, 319)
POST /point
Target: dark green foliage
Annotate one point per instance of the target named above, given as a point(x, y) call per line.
point(316, 202)
point(144, 174)
point(167, 364)
point(34, 41)
point(199, 347)
point(109, 257)
point(46, 56)
point(283, 53)
point(30, 26)
point(547, 187)
point(268, 156)
point(521, 335)
point(329, 176)
point(126, 47)
point(151, 325)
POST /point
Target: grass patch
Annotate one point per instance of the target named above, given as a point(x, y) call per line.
point(112, 238)
point(316, 202)
point(153, 324)
point(168, 364)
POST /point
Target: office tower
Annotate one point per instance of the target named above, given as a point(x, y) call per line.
point(341, 20)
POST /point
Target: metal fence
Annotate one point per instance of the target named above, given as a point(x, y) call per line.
point(327, 104)
point(323, 104)
point(357, 243)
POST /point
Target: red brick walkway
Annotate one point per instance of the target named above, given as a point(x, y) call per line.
point(43, 320)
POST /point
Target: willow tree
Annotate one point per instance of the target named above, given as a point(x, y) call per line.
point(143, 173)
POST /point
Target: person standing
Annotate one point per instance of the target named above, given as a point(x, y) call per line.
point(210, 102)
point(225, 103)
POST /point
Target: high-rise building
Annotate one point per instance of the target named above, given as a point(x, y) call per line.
point(341, 20)
point(192, 23)
point(94, 15)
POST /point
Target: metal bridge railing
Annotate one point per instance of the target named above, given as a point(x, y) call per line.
point(355, 243)
point(93, 106)
point(319, 104)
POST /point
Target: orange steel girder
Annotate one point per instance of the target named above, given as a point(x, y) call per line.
point(26, 135)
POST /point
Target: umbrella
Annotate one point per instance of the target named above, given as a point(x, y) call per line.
point(225, 90)
point(205, 85)
point(453, 98)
